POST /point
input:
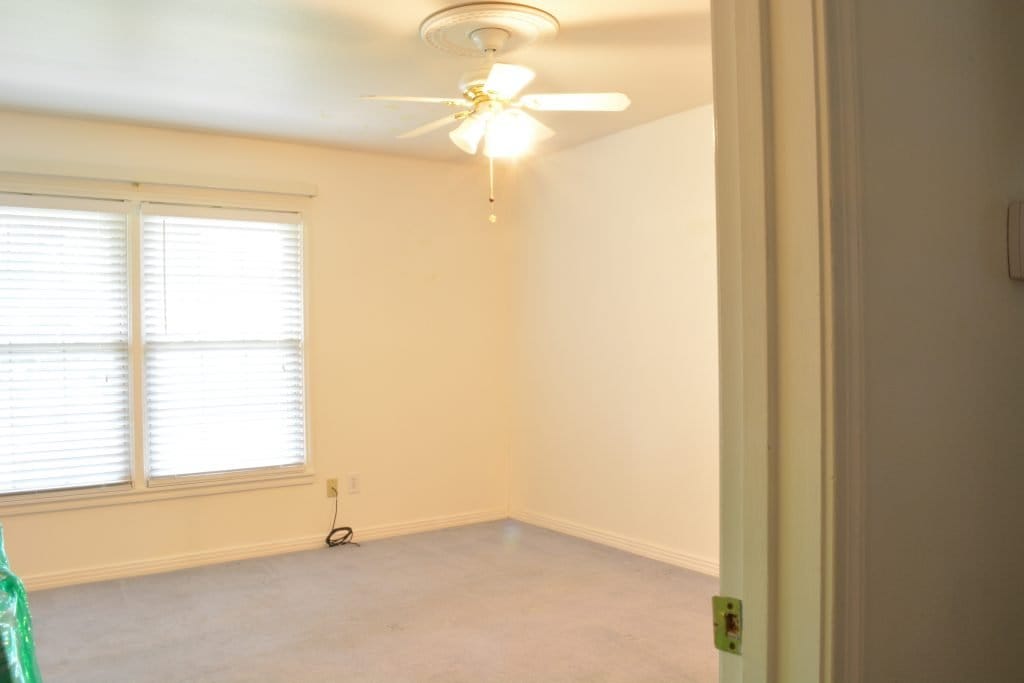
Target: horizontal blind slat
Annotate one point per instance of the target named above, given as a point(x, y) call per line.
point(64, 418)
point(210, 279)
point(63, 275)
point(223, 413)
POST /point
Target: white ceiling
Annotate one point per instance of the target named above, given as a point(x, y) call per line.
point(294, 69)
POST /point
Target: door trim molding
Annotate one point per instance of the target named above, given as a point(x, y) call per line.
point(845, 553)
point(746, 305)
point(757, 189)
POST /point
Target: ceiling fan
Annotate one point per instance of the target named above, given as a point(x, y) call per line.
point(491, 109)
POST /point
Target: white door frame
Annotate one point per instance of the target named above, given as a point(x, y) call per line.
point(744, 303)
point(791, 348)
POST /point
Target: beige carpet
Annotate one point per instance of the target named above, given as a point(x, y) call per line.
point(491, 602)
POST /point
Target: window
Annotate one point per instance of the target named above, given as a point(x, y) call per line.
point(64, 414)
point(208, 380)
point(222, 328)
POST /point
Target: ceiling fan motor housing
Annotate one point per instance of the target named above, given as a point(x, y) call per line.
point(471, 80)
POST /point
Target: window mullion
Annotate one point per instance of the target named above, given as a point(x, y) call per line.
point(135, 347)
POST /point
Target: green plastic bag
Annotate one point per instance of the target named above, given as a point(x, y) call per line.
point(17, 651)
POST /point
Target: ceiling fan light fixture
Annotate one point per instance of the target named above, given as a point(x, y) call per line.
point(493, 113)
point(509, 135)
point(467, 137)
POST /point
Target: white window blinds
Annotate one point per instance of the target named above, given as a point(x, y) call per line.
point(222, 318)
point(64, 408)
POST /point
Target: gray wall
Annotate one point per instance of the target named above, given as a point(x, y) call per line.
point(942, 84)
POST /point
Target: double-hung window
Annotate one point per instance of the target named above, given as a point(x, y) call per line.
point(222, 335)
point(148, 344)
point(64, 340)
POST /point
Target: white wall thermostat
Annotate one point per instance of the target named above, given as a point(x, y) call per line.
point(1015, 240)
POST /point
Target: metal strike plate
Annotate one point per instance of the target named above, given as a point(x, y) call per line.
point(728, 617)
point(1015, 240)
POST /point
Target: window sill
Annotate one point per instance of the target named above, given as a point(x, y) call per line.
point(177, 487)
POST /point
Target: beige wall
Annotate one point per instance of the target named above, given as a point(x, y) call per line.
point(409, 348)
point(596, 289)
point(943, 155)
point(617, 436)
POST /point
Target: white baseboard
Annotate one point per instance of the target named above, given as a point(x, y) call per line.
point(35, 582)
point(371, 533)
point(643, 548)
point(167, 563)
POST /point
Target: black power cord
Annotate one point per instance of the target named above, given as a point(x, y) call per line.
point(339, 535)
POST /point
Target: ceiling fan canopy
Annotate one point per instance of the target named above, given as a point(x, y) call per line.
point(491, 110)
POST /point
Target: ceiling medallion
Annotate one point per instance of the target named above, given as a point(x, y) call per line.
point(452, 30)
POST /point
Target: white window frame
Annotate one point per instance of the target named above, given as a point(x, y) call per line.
point(134, 194)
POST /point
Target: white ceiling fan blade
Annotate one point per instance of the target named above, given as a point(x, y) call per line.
point(512, 133)
point(506, 80)
point(427, 127)
point(581, 101)
point(467, 136)
point(452, 101)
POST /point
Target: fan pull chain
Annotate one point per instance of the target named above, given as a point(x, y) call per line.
point(493, 217)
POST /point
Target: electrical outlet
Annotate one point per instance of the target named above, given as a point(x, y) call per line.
point(332, 488)
point(353, 483)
